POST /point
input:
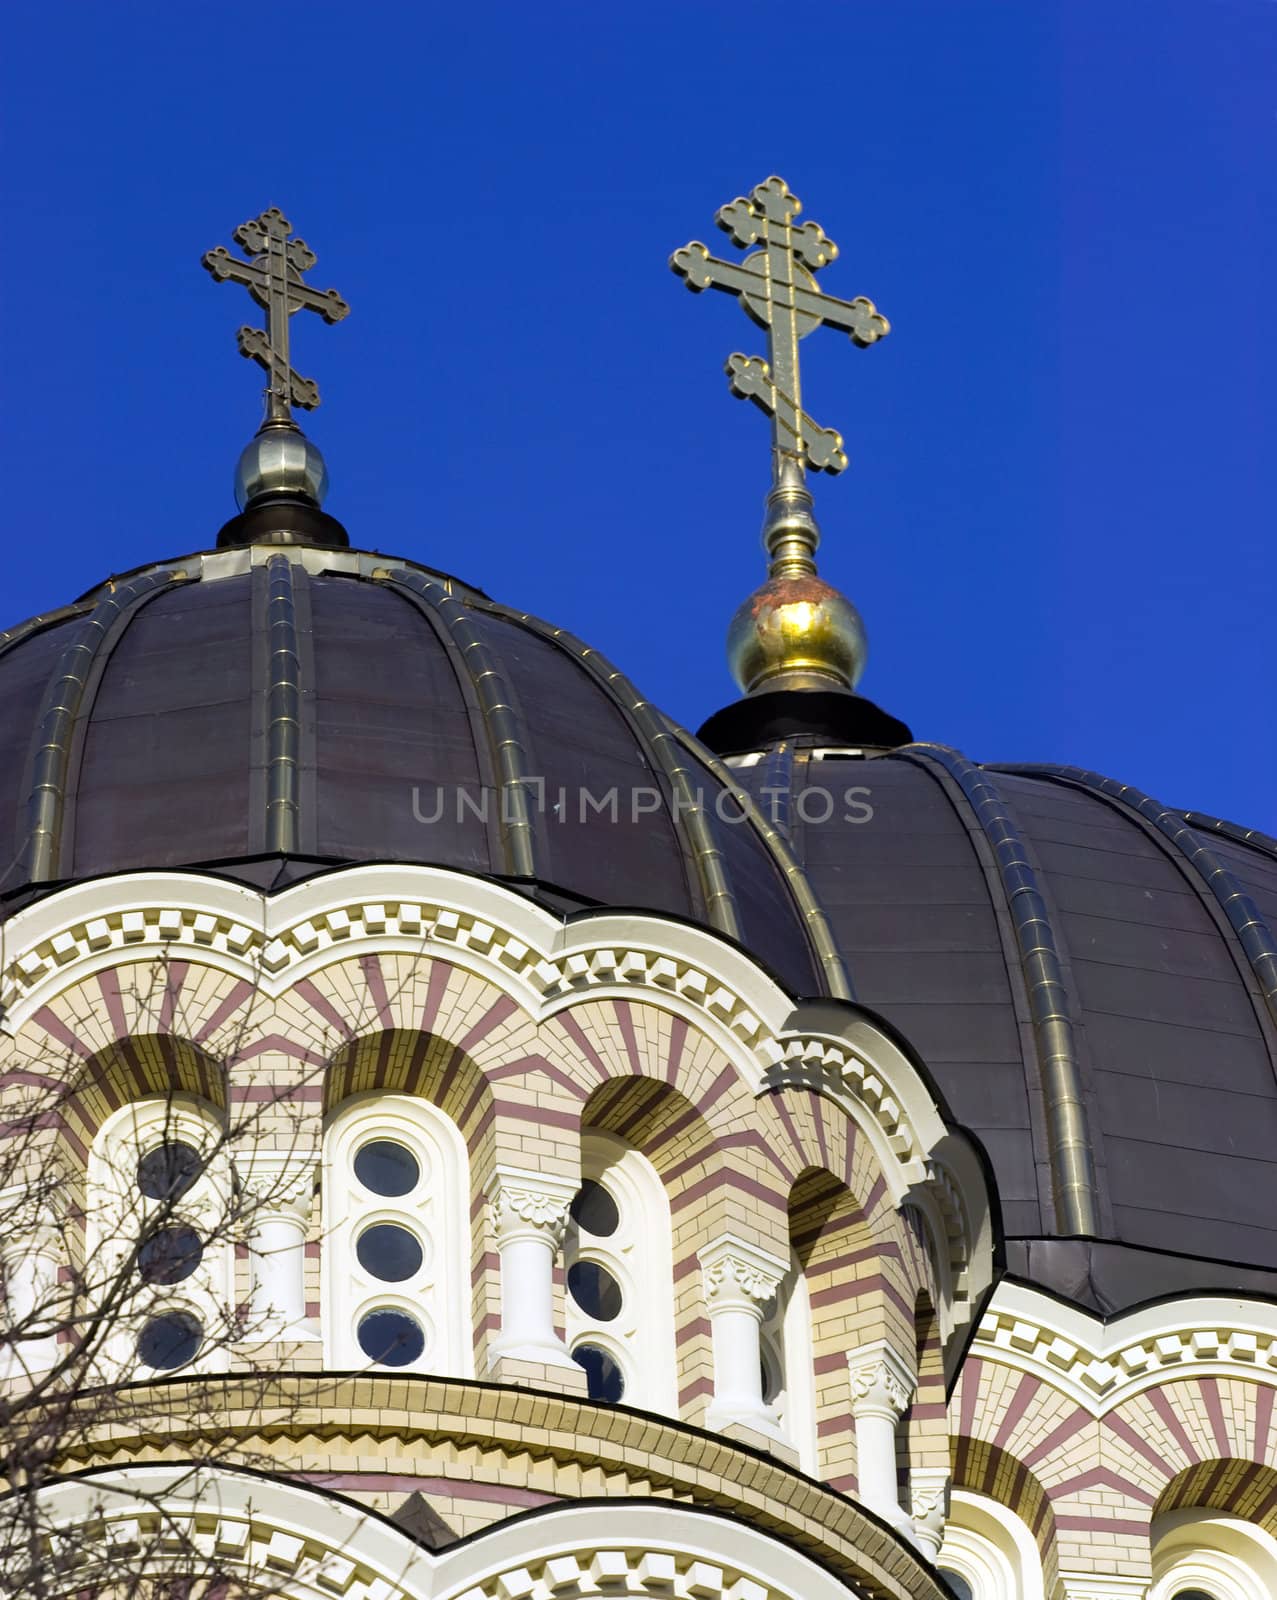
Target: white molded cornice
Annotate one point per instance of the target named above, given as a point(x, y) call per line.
point(1100, 1365)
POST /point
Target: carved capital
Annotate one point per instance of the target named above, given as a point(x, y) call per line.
point(276, 1184)
point(530, 1205)
point(739, 1275)
point(929, 1506)
point(881, 1383)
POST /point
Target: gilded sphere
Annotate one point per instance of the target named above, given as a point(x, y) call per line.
point(796, 627)
point(280, 460)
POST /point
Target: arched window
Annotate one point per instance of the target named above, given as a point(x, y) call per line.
point(620, 1277)
point(988, 1552)
point(158, 1235)
point(395, 1262)
point(788, 1375)
point(1201, 1554)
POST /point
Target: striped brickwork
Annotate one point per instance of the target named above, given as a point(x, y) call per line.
point(675, 1063)
point(478, 1454)
point(1089, 1480)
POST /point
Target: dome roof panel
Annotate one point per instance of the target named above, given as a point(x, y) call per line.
point(394, 737)
point(1160, 973)
point(25, 670)
point(600, 810)
point(161, 758)
point(400, 716)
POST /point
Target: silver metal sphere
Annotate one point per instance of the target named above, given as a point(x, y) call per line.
point(280, 460)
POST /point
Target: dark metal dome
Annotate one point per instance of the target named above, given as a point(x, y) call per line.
point(267, 713)
point(1092, 979)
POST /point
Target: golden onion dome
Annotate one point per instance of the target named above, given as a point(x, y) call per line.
point(795, 631)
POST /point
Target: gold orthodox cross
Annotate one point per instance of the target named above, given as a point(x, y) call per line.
point(274, 279)
point(776, 287)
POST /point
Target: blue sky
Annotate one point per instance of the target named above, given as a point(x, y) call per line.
point(1058, 518)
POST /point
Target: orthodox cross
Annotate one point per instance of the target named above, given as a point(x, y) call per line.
point(776, 287)
point(274, 279)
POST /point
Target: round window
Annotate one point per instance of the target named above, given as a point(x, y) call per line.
point(168, 1171)
point(169, 1254)
point(391, 1337)
point(604, 1379)
point(170, 1340)
point(595, 1290)
point(387, 1168)
point(595, 1211)
point(389, 1252)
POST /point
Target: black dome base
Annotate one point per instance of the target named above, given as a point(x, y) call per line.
point(827, 714)
point(283, 519)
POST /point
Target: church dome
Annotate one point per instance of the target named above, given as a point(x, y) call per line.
point(1090, 976)
point(267, 713)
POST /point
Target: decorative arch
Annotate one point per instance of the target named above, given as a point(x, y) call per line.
point(301, 1543)
point(984, 1470)
point(424, 1066)
point(78, 1090)
point(991, 1549)
point(535, 1012)
point(1246, 1490)
point(1197, 1549)
point(274, 943)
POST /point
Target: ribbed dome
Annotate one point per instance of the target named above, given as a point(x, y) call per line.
point(1035, 927)
point(268, 713)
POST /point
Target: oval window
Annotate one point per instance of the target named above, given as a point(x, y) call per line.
point(386, 1167)
point(170, 1340)
point(168, 1171)
point(170, 1254)
point(391, 1337)
point(389, 1252)
point(595, 1290)
point(595, 1211)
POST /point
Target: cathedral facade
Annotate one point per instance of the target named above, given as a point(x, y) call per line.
point(468, 1138)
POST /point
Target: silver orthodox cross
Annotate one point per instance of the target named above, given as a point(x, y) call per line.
point(274, 279)
point(776, 287)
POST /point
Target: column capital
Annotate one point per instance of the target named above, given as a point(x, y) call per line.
point(35, 1215)
point(530, 1205)
point(740, 1274)
point(277, 1183)
point(882, 1384)
point(929, 1506)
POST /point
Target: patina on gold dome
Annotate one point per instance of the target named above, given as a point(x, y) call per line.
point(796, 631)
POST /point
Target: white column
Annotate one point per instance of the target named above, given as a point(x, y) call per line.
point(929, 1507)
point(31, 1301)
point(881, 1387)
point(530, 1215)
point(740, 1282)
point(278, 1188)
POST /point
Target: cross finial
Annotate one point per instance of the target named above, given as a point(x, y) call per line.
point(273, 276)
point(777, 287)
